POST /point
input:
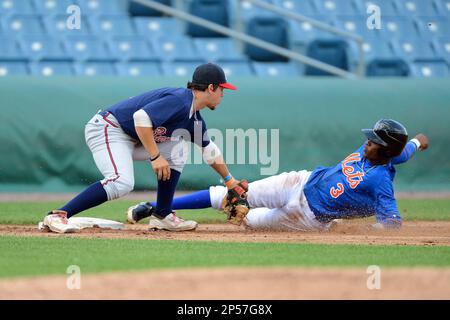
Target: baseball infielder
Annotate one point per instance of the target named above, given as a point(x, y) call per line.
point(152, 126)
point(359, 186)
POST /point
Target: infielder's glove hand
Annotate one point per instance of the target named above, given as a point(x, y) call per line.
point(235, 204)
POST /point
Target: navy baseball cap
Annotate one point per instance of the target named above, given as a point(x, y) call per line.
point(210, 73)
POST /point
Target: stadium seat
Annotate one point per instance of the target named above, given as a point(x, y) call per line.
point(272, 30)
point(215, 11)
point(92, 69)
point(397, 27)
point(417, 7)
point(111, 25)
point(97, 7)
point(8, 7)
point(56, 25)
point(430, 69)
point(304, 8)
point(156, 27)
point(433, 26)
point(213, 49)
point(52, 7)
point(355, 24)
point(333, 52)
point(387, 68)
point(443, 7)
point(335, 7)
point(15, 25)
point(378, 48)
point(247, 10)
point(233, 69)
point(10, 50)
point(301, 33)
point(138, 10)
point(387, 7)
point(275, 69)
point(413, 48)
point(12, 68)
point(130, 48)
point(43, 48)
point(138, 69)
point(48, 69)
point(87, 48)
point(442, 47)
point(180, 69)
point(175, 48)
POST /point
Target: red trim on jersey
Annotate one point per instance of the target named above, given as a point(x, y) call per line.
point(104, 118)
point(111, 158)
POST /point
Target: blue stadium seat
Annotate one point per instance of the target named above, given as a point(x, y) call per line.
point(10, 50)
point(333, 52)
point(156, 27)
point(301, 33)
point(138, 10)
point(434, 68)
point(213, 49)
point(335, 7)
point(435, 26)
point(273, 30)
point(239, 69)
point(48, 69)
point(304, 7)
point(355, 24)
point(413, 48)
point(387, 68)
point(397, 27)
point(443, 7)
point(43, 48)
point(275, 69)
point(92, 69)
point(175, 49)
point(111, 25)
point(51, 7)
point(97, 7)
point(387, 7)
point(442, 47)
point(13, 68)
point(215, 11)
point(379, 48)
point(8, 7)
point(248, 10)
point(417, 7)
point(19, 24)
point(56, 25)
point(130, 48)
point(180, 69)
point(87, 48)
point(138, 69)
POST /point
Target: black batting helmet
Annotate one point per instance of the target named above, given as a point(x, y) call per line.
point(390, 134)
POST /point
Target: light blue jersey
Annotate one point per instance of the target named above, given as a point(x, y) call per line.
point(355, 188)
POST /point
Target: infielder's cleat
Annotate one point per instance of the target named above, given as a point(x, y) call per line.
point(57, 222)
point(139, 212)
point(171, 223)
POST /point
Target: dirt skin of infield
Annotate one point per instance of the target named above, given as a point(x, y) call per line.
point(422, 233)
point(238, 284)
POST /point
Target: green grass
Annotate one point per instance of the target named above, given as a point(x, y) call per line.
point(39, 256)
point(32, 212)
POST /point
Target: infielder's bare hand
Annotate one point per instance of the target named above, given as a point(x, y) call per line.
point(423, 139)
point(161, 168)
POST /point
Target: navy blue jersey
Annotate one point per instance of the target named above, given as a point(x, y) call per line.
point(356, 188)
point(169, 110)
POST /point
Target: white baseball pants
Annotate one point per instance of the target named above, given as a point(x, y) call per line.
point(114, 152)
point(277, 202)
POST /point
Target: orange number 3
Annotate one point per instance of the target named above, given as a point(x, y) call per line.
point(337, 192)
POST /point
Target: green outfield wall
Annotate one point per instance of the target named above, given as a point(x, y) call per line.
point(42, 145)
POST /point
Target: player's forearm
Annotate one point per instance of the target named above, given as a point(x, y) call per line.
point(145, 134)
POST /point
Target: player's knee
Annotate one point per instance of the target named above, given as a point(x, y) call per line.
point(119, 187)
